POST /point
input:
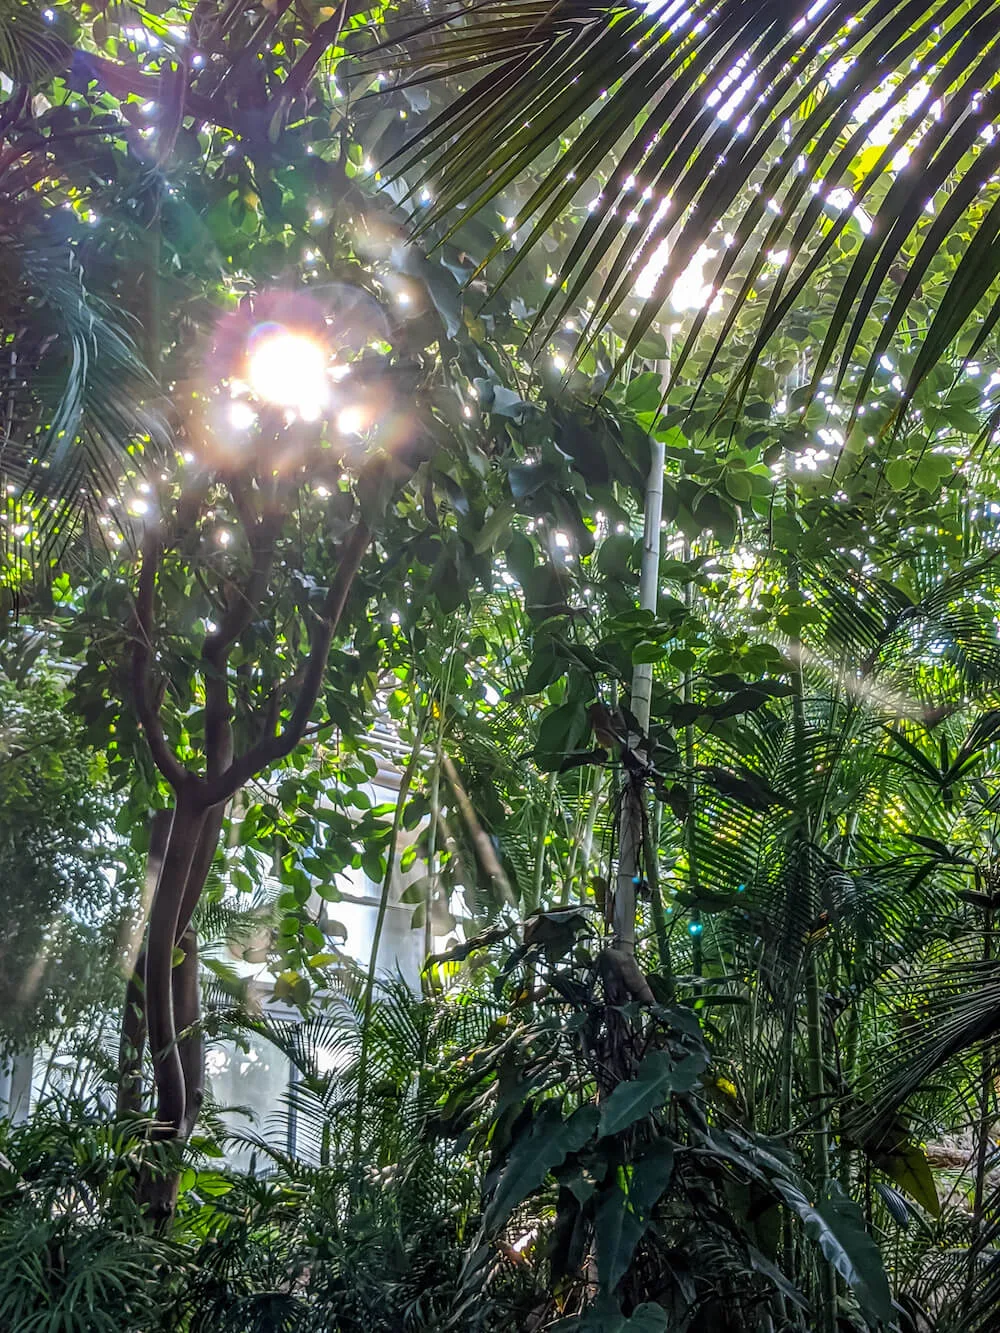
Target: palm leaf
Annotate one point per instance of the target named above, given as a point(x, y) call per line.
point(635, 100)
point(959, 1007)
point(29, 49)
point(71, 404)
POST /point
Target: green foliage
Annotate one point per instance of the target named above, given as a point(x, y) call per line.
point(296, 1244)
point(839, 156)
point(70, 883)
point(75, 1254)
point(641, 1176)
point(557, 1133)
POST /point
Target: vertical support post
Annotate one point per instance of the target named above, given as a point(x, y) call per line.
point(16, 1071)
point(630, 818)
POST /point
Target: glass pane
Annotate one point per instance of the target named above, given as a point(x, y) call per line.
point(254, 1081)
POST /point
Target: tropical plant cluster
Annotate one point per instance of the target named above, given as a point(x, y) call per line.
point(579, 421)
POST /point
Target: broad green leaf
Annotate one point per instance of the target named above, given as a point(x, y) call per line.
point(618, 1230)
point(546, 667)
point(561, 730)
point(898, 473)
point(543, 1147)
point(605, 1316)
point(836, 1224)
point(643, 393)
point(651, 1174)
point(908, 1167)
point(931, 471)
point(635, 1098)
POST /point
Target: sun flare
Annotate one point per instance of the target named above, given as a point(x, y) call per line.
point(289, 370)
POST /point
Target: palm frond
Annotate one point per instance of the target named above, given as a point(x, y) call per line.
point(667, 126)
point(29, 49)
point(956, 1008)
point(76, 409)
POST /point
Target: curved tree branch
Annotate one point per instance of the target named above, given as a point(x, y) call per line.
point(186, 994)
point(142, 667)
point(271, 746)
point(327, 34)
point(242, 603)
point(171, 891)
point(133, 1034)
point(201, 864)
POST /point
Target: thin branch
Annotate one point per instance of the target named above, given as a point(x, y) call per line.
point(270, 747)
point(241, 605)
point(189, 505)
point(121, 82)
point(25, 750)
point(253, 45)
point(325, 36)
point(242, 497)
point(484, 849)
point(142, 665)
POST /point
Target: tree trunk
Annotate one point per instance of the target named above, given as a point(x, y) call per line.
point(133, 1036)
point(630, 820)
point(165, 926)
point(163, 1003)
point(190, 1038)
point(170, 1008)
point(171, 999)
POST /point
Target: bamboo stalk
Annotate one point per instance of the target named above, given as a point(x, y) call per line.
point(691, 793)
point(815, 1073)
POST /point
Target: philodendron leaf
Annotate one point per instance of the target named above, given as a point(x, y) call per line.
point(618, 1231)
point(545, 1146)
point(604, 1316)
point(651, 1174)
point(657, 1078)
point(835, 1223)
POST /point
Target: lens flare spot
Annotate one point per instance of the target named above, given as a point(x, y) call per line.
point(353, 421)
point(241, 415)
point(287, 369)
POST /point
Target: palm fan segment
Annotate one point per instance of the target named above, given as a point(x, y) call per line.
point(954, 1012)
point(765, 140)
point(75, 395)
point(72, 419)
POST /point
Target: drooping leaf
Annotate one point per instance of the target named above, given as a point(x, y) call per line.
point(907, 1165)
point(657, 1078)
point(618, 1231)
point(837, 1226)
point(651, 1174)
point(542, 1147)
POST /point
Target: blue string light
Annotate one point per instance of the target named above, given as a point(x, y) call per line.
point(695, 928)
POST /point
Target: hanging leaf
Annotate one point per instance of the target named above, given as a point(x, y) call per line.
point(899, 1209)
point(560, 732)
point(657, 1078)
point(906, 1163)
point(836, 1224)
point(618, 1231)
point(651, 1174)
point(544, 1146)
